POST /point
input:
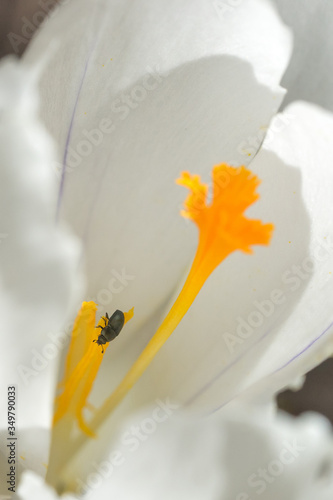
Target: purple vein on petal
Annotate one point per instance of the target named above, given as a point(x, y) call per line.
point(211, 382)
point(68, 138)
point(305, 349)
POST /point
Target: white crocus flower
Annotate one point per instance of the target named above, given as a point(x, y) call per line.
point(154, 89)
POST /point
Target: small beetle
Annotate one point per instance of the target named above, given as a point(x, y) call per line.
point(111, 329)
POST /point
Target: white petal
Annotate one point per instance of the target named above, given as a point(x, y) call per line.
point(200, 88)
point(282, 458)
point(310, 72)
point(167, 455)
point(39, 275)
point(152, 455)
point(255, 315)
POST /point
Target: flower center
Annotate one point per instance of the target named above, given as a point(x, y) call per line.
point(223, 228)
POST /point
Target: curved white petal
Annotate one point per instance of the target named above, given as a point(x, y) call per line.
point(237, 455)
point(178, 458)
point(39, 275)
point(271, 311)
point(184, 87)
point(280, 458)
point(310, 73)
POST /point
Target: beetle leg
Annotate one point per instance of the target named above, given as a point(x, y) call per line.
point(106, 314)
point(99, 326)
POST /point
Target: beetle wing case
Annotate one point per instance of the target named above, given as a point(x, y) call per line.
point(116, 322)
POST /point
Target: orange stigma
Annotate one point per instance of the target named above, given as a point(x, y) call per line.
point(223, 227)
